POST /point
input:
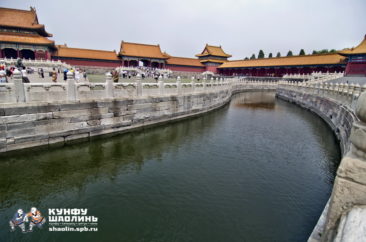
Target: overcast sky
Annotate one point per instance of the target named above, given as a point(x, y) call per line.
point(182, 28)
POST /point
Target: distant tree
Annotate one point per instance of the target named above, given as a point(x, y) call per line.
point(289, 53)
point(261, 54)
point(332, 51)
point(323, 51)
point(270, 55)
point(246, 58)
point(315, 52)
point(252, 57)
point(302, 52)
point(278, 54)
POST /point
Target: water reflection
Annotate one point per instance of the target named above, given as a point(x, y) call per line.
point(260, 99)
point(31, 176)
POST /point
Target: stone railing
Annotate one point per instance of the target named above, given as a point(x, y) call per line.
point(343, 93)
point(315, 77)
point(19, 92)
point(36, 63)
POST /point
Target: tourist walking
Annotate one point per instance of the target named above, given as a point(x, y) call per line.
point(54, 75)
point(24, 75)
point(65, 74)
point(115, 76)
point(77, 75)
point(42, 73)
point(84, 75)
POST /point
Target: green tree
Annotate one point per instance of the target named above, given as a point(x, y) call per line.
point(323, 51)
point(332, 51)
point(278, 54)
point(261, 54)
point(246, 58)
point(252, 57)
point(270, 55)
point(315, 52)
point(302, 52)
point(289, 53)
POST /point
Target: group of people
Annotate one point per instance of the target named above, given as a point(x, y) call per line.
point(77, 74)
point(146, 72)
point(5, 72)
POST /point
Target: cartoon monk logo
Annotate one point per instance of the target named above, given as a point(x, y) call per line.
point(34, 217)
point(18, 221)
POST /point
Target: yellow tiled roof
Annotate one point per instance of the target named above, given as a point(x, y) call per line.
point(320, 59)
point(24, 38)
point(183, 61)
point(17, 18)
point(64, 51)
point(141, 50)
point(213, 50)
point(360, 49)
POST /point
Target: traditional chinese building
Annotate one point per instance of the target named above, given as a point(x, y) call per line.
point(185, 64)
point(356, 64)
point(86, 57)
point(21, 35)
point(302, 64)
point(132, 54)
point(212, 57)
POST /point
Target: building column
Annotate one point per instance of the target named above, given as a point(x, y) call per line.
point(1, 53)
point(47, 55)
point(18, 53)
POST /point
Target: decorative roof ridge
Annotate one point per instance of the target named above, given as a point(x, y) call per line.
point(183, 57)
point(66, 47)
point(345, 50)
point(15, 9)
point(284, 57)
point(124, 42)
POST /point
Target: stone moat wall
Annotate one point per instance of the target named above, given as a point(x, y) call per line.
point(339, 117)
point(26, 125)
point(343, 218)
point(32, 125)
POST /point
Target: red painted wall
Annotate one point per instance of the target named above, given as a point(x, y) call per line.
point(90, 63)
point(211, 68)
point(278, 72)
point(358, 69)
point(185, 68)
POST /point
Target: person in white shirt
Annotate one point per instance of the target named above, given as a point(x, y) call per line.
point(24, 75)
point(77, 75)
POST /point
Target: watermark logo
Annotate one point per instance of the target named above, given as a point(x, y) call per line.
point(59, 220)
point(33, 218)
point(71, 219)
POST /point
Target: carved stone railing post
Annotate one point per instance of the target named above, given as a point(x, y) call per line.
point(71, 87)
point(19, 89)
point(193, 84)
point(161, 86)
point(204, 85)
point(109, 88)
point(138, 85)
point(179, 86)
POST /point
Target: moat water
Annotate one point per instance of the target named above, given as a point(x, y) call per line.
point(246, 172)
